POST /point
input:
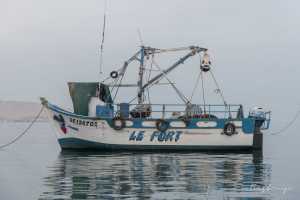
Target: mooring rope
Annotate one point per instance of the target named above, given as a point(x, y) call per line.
point(25, 131)
point(288, 125)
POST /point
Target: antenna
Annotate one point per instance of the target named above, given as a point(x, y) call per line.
point(102, 41)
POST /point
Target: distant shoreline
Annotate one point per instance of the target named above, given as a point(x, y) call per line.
point(24, 121)
point(19, 111)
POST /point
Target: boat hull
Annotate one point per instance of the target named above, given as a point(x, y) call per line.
point(75, 143)
point(81, 132)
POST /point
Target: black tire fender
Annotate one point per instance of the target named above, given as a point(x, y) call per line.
point(229, 129)
point(118, 123)
point(162, 125)
point(114, 74)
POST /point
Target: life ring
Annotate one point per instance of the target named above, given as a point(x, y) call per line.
point(229, 129)
point(118, 123)
point(162, 125)
point(114, 74)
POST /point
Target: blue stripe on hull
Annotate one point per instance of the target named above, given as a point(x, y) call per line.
point(74, 143)
point(248, 124)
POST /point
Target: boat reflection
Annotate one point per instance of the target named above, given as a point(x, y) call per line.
point(90, 175)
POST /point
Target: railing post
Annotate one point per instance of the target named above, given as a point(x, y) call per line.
point(118, 110)
point(164, 110)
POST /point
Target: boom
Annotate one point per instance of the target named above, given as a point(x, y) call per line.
point(194, 50)
point(145, 52)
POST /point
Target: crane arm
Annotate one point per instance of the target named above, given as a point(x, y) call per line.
point(194, 50)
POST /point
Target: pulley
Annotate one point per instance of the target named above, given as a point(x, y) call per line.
point(205, 64)
point(205, 68)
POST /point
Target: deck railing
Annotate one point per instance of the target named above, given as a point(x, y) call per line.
point(267, 121)
point(162, 111)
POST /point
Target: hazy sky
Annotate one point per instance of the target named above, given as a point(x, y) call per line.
point(254, 45)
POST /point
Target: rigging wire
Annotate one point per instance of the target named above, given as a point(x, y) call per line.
point(115, 83)
point(218, 88)
point(203, 92)
point(25, 131)
point(118, 86)
point(195, 87)
point(202, 84)
point(133, 99)
point(221, 93)
point(149, 76)
point(183, 98)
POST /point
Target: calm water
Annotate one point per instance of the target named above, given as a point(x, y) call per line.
point(35, 168)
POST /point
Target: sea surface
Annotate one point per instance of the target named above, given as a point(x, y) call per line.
point(36, 168)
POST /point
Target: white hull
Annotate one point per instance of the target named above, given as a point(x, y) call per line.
point(79, 132)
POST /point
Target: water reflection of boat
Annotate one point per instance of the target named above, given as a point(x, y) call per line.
point(87, 175)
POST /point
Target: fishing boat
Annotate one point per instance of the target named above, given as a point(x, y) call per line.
point(100, 122)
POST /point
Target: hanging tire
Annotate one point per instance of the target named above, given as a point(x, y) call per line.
point(162, 125)
point(229, 129)
point(118, 123)
point(114, 74)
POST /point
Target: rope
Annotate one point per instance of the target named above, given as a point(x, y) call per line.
point(143, 92)
point(218, 87)
point(133, 99)
point(149, 76)
point(115, 83)
point(221, 93)
point(286, 127)
point(195, 87)
point(183, 98)
point(25, 131)
point(118, 87)
point(203, 92)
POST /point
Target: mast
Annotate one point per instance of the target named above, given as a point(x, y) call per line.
point(141, 75)
point(102, 42)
